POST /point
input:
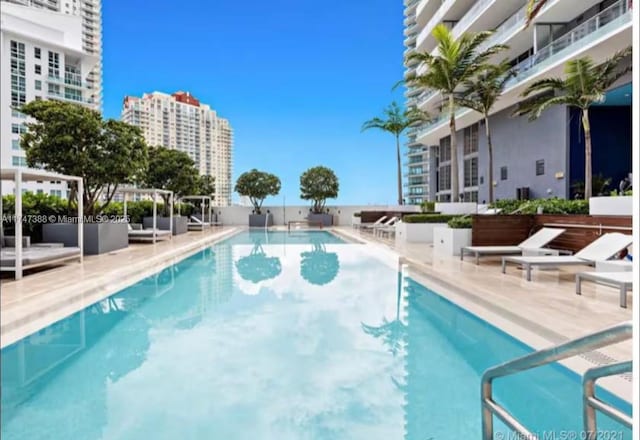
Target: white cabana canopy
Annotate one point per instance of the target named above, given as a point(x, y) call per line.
point(154, 192)
point(20, 175)
point(202, 199)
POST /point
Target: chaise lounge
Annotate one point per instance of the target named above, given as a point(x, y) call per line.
point(604, 248)
point(535, 243)
point(620, 280)
point(136, 233)
point(370, 225)
point(42, 254)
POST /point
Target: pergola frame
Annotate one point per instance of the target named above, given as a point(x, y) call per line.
point(202, 200)
point(154, 192)
point(20, 175)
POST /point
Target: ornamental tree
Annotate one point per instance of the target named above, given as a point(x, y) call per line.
point(257, 185)
point(171, 170)
point(71, 139)
point(319, 184)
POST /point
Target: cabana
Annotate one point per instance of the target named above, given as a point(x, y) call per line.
point(154, 233)
point(196, 223)
point(22, 255)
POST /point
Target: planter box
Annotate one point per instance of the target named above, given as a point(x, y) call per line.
point(180, 225)
point(260, 220)
point(99, 238)
point(325, 219)
point(416, 232)
point(447, 241)
point(621, 205)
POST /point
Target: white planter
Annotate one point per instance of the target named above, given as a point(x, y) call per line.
point(457, 208)
point(416, 232)
point(447, 241)
point(621, 205)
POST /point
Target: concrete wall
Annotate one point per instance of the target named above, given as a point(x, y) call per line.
point(239, 215)
point(518, 144)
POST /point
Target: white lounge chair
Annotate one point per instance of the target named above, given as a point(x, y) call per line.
point(138, 234)
point(536, 242)
point(602, 249)
point(621, 280)
point(388, 230)
point(371, 225)
point(389, 223)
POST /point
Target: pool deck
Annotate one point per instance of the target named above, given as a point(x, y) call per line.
point(542, 312)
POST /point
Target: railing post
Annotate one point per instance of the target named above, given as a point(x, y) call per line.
point(487, 415)
point(589, 412)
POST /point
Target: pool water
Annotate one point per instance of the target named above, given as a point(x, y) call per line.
point(275, 336)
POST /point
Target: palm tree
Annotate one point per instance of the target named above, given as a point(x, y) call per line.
point(457, 61)
point(396, 121)
point(533, 8)
point(481, 94)
point(585, 84)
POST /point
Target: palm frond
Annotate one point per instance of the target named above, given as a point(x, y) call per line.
point(545, 85)
point(533, 8)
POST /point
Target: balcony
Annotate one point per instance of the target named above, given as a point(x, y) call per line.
point(472, 14)
point(69, 98)
point(573, 43)
point(69, 81)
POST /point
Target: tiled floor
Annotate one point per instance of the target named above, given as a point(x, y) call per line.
point(540, 313)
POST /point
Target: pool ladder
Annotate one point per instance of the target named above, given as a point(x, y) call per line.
point(591, 403)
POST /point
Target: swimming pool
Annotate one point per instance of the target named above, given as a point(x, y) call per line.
point(274, 336)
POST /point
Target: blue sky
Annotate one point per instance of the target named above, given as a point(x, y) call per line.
point(296, 79)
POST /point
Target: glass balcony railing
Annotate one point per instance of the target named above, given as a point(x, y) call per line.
point(615, 16)
point(500, 34)
point(68, 80)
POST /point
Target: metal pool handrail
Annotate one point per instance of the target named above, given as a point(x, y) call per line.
point(609, 336)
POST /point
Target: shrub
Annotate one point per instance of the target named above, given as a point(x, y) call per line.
point(549, 206)
point(427, 206)
point(427, 218)
point(507, 206)
point(357, 214)
point(460, 222)
point(33, 205)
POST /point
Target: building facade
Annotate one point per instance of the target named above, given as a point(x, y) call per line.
point(539, 159)
point(51, 49)
point(179, 121)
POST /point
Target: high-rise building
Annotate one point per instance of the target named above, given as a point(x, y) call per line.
point(51, 49)
point(544, 158)
point(179, 121)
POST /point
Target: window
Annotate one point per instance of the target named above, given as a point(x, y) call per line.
point(18, 161)
point(540, 167)
point(54, 89)
point(471, 140)
point(18, 75)
point(56, 192)
point(38, 69)
point(503, 173)
point(471, 172)
point(36, 52)
point(38, 84)
point(39, 191)
point(445, 149)
point(18, 129)
point(54, 64)
point(444, 178)
point(15, 144)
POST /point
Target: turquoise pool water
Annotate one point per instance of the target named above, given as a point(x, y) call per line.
point(274, 336)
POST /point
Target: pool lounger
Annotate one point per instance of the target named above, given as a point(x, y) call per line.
point(602, 249)
point(535, 243)
point(147, 234)
point(370, 225)
point(37, 256)
point(621, 280)
point(195, 224)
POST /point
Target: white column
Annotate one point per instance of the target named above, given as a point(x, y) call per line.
point(81, 219)
point(155, 213)
point(171, 216)
point(18, 223)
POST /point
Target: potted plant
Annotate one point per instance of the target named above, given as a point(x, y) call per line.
point(449, 240)
point(175, 171)
point(319, 184)
point(107, 154)
point(257, 185)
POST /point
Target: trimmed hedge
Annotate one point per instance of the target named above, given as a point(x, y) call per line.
point(428, 218)
point(549, 206)
point(464, 222)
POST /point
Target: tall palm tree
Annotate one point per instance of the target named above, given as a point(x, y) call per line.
point(396, 121)
point(457, 61)
point(585, 84)
point(481, 94)
point(533, 8)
